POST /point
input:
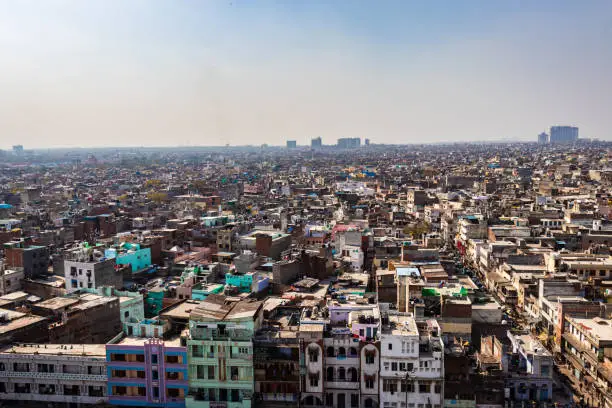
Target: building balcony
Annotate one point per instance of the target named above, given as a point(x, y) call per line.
point(582, 349)
point(51, 398)
point(271, 378)
point(279, 397)
point(53, 376)
point(344, 360)
point(342, 384)
point(204, 402)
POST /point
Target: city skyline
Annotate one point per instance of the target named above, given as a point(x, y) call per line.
point(102, 74)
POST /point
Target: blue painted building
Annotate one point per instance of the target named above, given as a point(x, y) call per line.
point(147, 372)
point(128, 253)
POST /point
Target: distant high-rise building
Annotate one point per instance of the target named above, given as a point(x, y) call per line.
point(291, 144)
point(563, 134)
point(349, 143)
point(316, 143)
point(366, 142)
point(18, 149)
point(543, 138)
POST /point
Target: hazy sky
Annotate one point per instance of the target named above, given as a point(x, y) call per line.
point(204, 72)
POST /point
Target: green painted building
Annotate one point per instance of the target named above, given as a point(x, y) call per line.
point(220, 352)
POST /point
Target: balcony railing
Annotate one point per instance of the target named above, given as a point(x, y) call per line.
point(342, 384)
point(53, 376)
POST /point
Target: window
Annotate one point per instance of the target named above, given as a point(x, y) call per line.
point(369, 358)
point(155, 375)
point(117, 357)
point(409, 367)
point(394, 366)
point(402, 366)
point(197, 351)
point(407, 386)
point(172, 359)
point(423, 364)
point(235, 395)
point(234, 373)
point(369, 383)
point(390, 346)
point(390, 386)
point(211, 372)
point(329, 399)
point(314, 381)
point(314, 356)
point(153, 358)
point(330, 374)
point(437, 388)
point(354, 400)
point(424, 388)
point(118, 373)
point(126, 314)
point(341, 374)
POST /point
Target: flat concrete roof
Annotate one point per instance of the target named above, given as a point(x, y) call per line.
point(91, 350)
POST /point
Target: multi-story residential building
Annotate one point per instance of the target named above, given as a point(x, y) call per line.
point(10, 280)
point(149, 372)
point(71, 374)
point(86, 318)
point(131, 254)
point(563, 134)
point(472, 227)
point(220, 352)
point(276, 360)
point(87, 267)
point(555, 308)
point(34, 259)
point(529, 369)
point(341, 365)
point(266, 243)
point(587, 345)
point(411, 362)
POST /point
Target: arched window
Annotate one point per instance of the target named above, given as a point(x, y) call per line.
point(369, 403)
point(341, 352)
point(341, 374)
point(309, 400)
point(352, 372)
point(330, 374)
point(330, 352)
point(353, 352)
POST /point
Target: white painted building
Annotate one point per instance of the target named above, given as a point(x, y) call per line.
point(56, 373)
point(411, 363)
point(10, 280)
